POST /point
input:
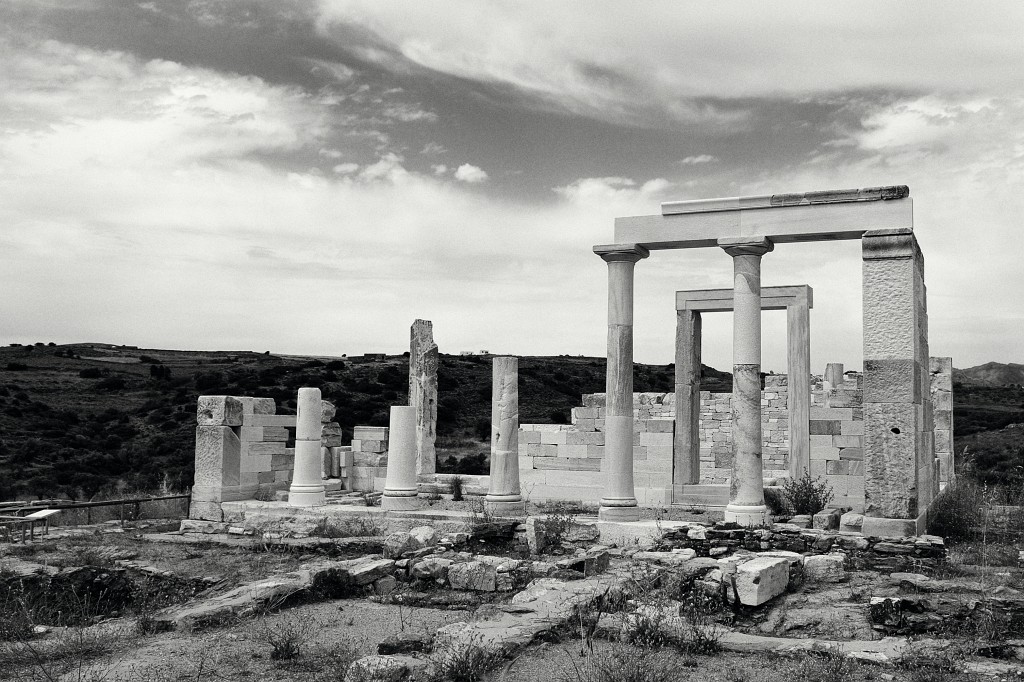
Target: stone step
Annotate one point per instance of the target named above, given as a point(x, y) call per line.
point(706, 495)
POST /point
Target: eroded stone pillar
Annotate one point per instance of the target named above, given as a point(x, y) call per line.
point(746, 491)
point(307, 488)
point(834, 374)
point(400, 485)
point(619, 501)
point(798, 352)
point(686, 469)
point(504, 497)
point(423, 359)
point(898, 451)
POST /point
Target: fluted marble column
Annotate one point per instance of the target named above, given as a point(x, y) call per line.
point(504, 497)
point(746, 492)
point(619, 501)
point(307, 488)
point(400, 485)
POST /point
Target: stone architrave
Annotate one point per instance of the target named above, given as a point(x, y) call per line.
point(898, 449)
point(690, 305)
point(619, 501)
point(307, 488)
point(423, 360)
point(400, 484)
point(746, 491)
point(504, 497)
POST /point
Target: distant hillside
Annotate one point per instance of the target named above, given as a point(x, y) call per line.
point(991, 374)
point(80, 418)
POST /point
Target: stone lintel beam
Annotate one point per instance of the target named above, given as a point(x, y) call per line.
point(829, 196)
point(782, 224)
point(721, 300)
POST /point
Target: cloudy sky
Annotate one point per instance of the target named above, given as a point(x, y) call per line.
point(308, 177)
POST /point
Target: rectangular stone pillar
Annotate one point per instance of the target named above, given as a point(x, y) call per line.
point(942, 416)
point(686, 453)
point(798, 354)
point(423, 359)
point(898, 452)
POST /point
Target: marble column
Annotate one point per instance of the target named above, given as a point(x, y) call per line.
point(619, 500)
point(400, 485)
point(798, 351)
point(746, 492)
point(686, 453)
point(504, 497)
point(307, 488)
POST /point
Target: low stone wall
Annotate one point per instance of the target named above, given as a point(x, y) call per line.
point(863, 551)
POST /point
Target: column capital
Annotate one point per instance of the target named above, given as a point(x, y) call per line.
point(746, 246)
point(885, 244)
point(612, 253)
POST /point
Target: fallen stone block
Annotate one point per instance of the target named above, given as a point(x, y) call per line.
point(675, 558)
point(851, 522)
point(826, 519)
point(825, 568)
point(473, 575)
point(431, 568)
point(761, 579)
point(384, 668)
point(406, 643)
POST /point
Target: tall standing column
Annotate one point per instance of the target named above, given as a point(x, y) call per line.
point(504, 497)
point(619, 501)
point(686, 454)
point(746, 492)
point(400, 485)
point(898, 453)
point(798, 321)
point(307, 488)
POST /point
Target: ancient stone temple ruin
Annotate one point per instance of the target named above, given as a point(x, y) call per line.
point(881, 438)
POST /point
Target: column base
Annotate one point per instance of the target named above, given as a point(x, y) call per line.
point(747, 515)
point(505, 507)
point(306, 499)
point(619, 513)
point(399, 502)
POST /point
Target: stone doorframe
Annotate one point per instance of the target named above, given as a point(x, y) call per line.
point(797, 302)
point(899, 458)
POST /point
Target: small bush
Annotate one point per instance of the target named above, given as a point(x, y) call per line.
point(468, 663)
point(623, 663)
point(959, 512)
point(457, 484)
point(111, 384)
point(833, 667)
point(807, 495)
point(16, 366)
point(286, 638)
point(91, 373)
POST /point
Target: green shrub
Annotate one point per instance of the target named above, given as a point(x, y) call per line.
point(807, 495)
point(457, 484)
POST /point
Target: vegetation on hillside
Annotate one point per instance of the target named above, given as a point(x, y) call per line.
point(81, 419)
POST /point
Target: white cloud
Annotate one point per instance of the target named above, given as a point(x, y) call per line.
point(431, 148)
point(700, 158)
point(628, 62)
point(467, 172)
point(345, 168)
point(439, 169)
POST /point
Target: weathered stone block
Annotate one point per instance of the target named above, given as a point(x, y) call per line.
point(761, 579)
point(825, 568)
point(473, 575)
point(257, 405)
point(327, 411)
point(370, 433)
point(890, 460)
point(330, 435)
point(825, 427)
point(892, 381)
point(218, 456)
point(218, 410)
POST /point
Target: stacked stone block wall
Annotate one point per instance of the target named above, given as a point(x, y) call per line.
point(837, 438)
point(941, 386)
point(716, 432)
point(369, 458)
